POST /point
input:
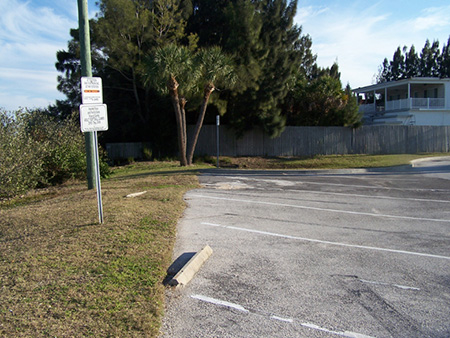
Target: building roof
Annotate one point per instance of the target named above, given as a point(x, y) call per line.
point(419, 80)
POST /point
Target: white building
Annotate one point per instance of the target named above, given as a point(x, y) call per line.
point(416, 101)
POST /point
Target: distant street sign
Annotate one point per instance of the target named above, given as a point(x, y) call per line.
point(91, 90)
point(93, 117)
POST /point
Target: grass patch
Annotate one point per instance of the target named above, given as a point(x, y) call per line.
point(63, 274)
point(321, 161)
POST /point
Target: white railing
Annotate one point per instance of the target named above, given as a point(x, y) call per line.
point(398, 104)
point(412, 103)
point(428, 103)
point(367, 108)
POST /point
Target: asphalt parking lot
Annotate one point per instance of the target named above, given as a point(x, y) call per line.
point(317, 254)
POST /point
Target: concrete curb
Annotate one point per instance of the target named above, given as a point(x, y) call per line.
point(437, 158)
point(188, 271)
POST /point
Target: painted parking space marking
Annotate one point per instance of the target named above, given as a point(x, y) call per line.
point(342, 334)
point(220, 302)
point(287, 320)
point(372, 187)
point(326, 242)
point(388, 284)
point(308, 325)
point(372, 197)
point(339, 184)
point(322, 209)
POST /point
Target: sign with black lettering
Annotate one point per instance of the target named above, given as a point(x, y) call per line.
point(93, 117)
point(91, 90)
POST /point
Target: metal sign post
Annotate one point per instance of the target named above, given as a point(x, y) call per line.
point(99, 187)
point(217, 141)
point(86, 70)
point(93, 118)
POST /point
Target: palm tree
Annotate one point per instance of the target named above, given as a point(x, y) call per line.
point(214, 67)
point(164, 69)
point(173, 65)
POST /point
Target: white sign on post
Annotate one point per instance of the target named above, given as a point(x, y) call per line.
point(91, 90)
point(93, 117)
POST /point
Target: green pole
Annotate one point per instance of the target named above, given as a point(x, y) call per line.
point(86, 70)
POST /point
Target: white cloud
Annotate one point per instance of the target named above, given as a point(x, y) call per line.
point(434, 18)
point(27, 88)
point(11, 102)
point(20, 22)
point(29, 40)
point(361, 37)
point(309, 12)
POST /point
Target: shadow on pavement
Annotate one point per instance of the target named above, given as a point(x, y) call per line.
point(177, 265)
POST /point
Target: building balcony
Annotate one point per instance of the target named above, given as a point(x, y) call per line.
point(404, 104)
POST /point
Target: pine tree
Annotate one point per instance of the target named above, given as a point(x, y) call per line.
point(444, 60)
point(320, 100)
point(432, 62)
point(278, 37)
point(68, 64)
point(411, 62)
point(131, 29)
point(384, 72)
point(124, 32)
point(397, 65)
point(266, 48)
point(428, 59)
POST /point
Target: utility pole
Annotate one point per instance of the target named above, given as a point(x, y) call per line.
point(86, 70)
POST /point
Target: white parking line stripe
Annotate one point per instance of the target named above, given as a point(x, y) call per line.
point(342, 334)
point(355, 195)
point(338, 184)
point(387, 284)
point(220, 302)
point(370, 187)
point(286, 320)
point(373, 197)
point(324, 209)
point(326, 242)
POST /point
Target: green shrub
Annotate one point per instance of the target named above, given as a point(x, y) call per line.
point(38, 150)
point(21, 158)
point(147, 152)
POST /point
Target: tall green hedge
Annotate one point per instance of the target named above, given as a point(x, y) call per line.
point(37, 150)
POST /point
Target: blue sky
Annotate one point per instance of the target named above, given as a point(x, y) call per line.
point(357, 34)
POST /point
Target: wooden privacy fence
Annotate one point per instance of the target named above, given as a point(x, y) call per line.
point(308, 141)
point(125, 150)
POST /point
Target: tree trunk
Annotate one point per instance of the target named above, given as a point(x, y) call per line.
point(209, 88)
point(183, 102)
point(172, 85)
point(136, 97)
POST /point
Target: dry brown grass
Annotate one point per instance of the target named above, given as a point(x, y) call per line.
point(321, 161)
point(64, 275)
